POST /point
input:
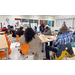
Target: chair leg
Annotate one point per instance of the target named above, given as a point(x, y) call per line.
point(19, 57)
point(66, 56)
point(25, 57)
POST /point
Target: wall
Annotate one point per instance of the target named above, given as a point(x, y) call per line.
point(63, 17)
point(12, 17)
point(36, 17)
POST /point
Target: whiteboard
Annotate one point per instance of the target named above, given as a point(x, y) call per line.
point(69, 22)
point(58, 23)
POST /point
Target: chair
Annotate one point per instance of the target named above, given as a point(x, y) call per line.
point(12, 38)
point(24, 49)
point(4, 32)
point(17, 37)
point(12, 34)
point(5, 35)
point(8, 32)
point(3, 54)
point(7, 38)
point(54, 34)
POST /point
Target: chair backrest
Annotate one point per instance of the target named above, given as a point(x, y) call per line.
point(4, 32)
point(24, 48)
point(7, 38)
point(5, 35)
point(8, 32)
point(17, 37)
point(54, 34)
point(12, 34)
point(9, 50)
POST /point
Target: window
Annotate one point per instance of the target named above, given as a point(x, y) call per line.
point(58, 23)
point(74, 23)
point(69, 22)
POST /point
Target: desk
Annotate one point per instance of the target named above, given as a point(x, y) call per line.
point(3, 43)
point(47, 36)
point(52, 38)
point(1, 33)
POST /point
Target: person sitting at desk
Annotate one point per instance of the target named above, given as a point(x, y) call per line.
point(9, 27)
point(42, 30)
point(33, 40)
point(48, 32)
point(35, 29)
point(20, 32)
point(64, 38)
point(13, 31)
point(5, 29)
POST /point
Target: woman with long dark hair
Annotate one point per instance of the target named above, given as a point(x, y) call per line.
point(33, 40)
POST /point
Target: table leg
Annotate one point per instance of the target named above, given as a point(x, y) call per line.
point(7, 54)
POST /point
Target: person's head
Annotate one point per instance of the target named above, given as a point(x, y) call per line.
point(47, 28)
point(8, 26)
point(64, 29)
point(21, 28)
point(29, 34)
point(11, 27)
point(35, 27)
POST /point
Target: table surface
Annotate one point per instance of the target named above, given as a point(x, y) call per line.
point(1, 32)
point(3, 42)
point(52, 38)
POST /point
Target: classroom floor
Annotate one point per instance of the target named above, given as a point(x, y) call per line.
point(15, 54)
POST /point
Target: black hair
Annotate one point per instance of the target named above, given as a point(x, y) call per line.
point(8, 25)
point(35, 27)
point(29, 34)
point(11, 26)
point(21, 28)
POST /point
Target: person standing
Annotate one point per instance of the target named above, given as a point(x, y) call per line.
point(64, 24)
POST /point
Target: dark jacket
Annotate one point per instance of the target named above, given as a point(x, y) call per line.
point(42, 31)
point(13, 31)
point(20, 32)
point(63, 48)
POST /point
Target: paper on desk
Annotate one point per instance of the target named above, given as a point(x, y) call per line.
point(52, 36)
point(42, 35)
point(48, 39)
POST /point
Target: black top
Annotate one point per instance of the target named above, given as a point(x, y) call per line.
point(6, 30)
point(13, 31)
point(20, 32)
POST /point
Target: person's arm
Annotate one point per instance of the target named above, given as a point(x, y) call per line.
point(48, 32)
point(56, 42)
point(70, 32)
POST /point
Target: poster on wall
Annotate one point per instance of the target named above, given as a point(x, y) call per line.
point(49, 22)
point(17, 23)
point(4, 24)
point(25, 25)
point(33, 25)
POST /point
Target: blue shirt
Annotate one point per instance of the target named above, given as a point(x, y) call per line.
point(35, 29)
point(63, 39)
